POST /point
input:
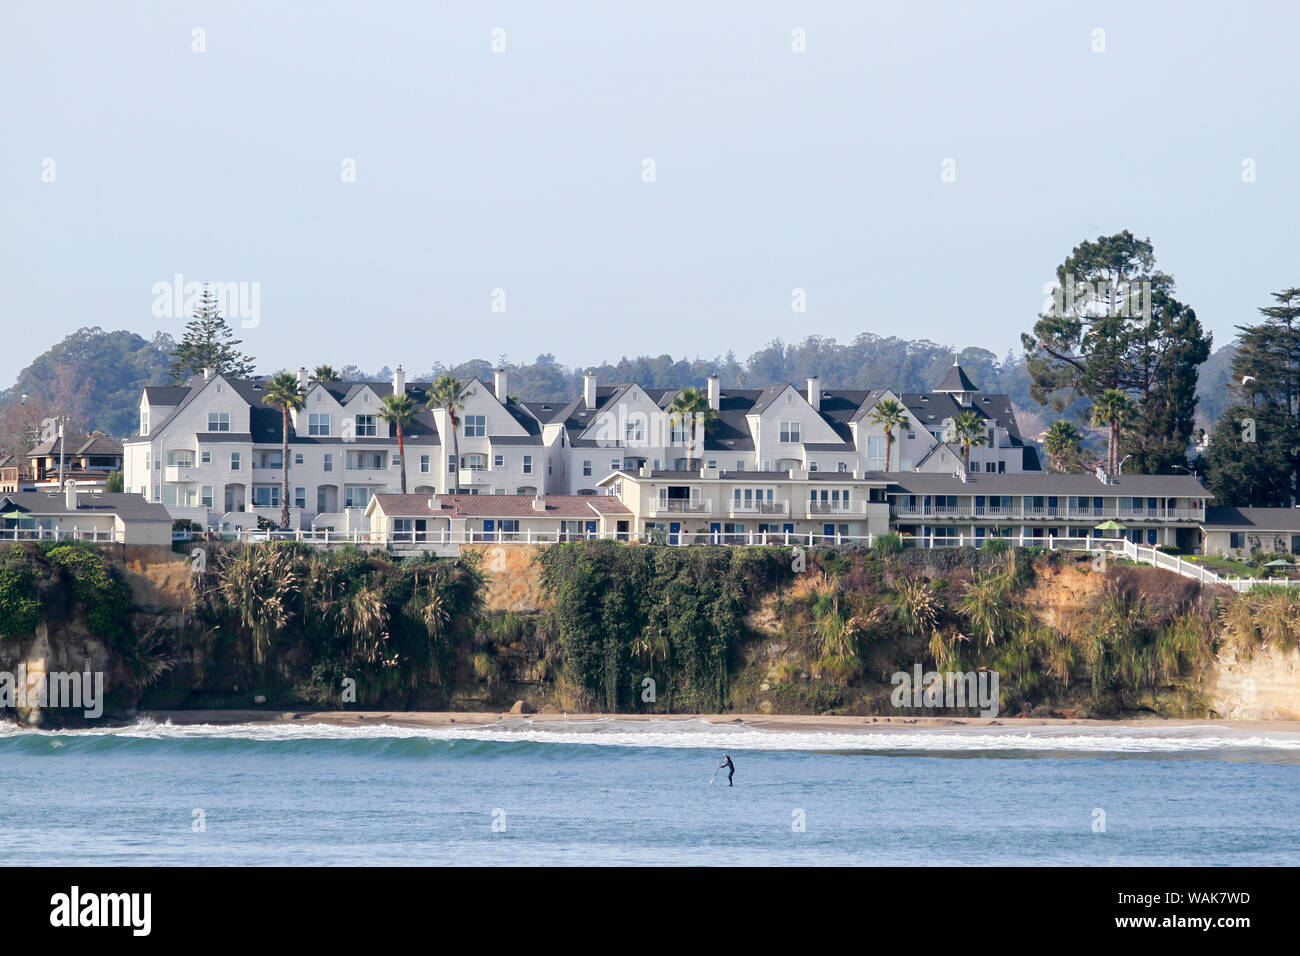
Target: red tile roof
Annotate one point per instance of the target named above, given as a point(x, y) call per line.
point(500, 506)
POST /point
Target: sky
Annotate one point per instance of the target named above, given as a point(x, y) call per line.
point(411, 183)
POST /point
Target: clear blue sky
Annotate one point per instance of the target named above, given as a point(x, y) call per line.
point(522, 170)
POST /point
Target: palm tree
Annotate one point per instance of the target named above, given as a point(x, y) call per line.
point(1113, 410)
point(889, 415)
point(448, 393)
point(1062, 442)
point(968, 429)
point(284, 393)
point(399, 411)
point(690, 407)
point(325, 373)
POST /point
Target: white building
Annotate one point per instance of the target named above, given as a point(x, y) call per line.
point(209, 451)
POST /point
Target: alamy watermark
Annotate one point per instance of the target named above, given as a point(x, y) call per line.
point(946, 689)
point(77, 690)
point(176, 299)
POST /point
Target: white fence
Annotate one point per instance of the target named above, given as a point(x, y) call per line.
point(1197, 572)
point(94, 535)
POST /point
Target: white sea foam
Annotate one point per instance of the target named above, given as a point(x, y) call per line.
point(701, 734)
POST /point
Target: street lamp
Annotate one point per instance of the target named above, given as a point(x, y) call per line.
point(1121, 463)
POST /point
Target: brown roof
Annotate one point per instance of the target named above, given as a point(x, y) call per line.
point(500, 506)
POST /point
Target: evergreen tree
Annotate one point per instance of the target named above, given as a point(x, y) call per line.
point(209, 342)
point(1254, 456)
point(1115, 325)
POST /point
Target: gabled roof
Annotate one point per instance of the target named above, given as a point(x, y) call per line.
point(96, 443)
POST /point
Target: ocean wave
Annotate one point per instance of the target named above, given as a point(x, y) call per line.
point(507, 736)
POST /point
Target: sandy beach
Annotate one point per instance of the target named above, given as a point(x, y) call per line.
point(755, 721)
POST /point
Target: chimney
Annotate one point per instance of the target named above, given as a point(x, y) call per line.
point(208, 373)
point(589, 389)
point(302, 376)
point(70, 491)
point(539, 503)
point(399, 381)
point(714, 385)
point(499, 385)
point(815, 393)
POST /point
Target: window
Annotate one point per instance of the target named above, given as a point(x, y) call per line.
point(205, 496)
point(218, 421)
point(740, 466)
point(205, 457)
point(366, 426)
point(679, 433)
point(180, 459)
point(146, 461)
point(586, 468)
point(357, 497)
point(876, 449)
point(528, 464)
point(789, 432)
point(711, 463)
point(451, 463)
point(634, 430)
point(1236, 539)
point(475, 426)
point(614, 464)
point(318, 423)
point(157, 463)
point(329, 462)
point(812, 466)
point(474, 462)
point(300, 497)
point(842, 468)
point(157, 494)
point(144, 422)
point(366, 461)
point(424, 464)
point(266, 496)
point(297, 458)
point(234, 461)
point(498, 461)
point(396, 461)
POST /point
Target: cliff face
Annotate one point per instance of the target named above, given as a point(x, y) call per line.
point(525, 662)
point(1265, 686)
point(161, 587)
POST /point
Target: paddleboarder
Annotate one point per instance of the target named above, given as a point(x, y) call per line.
point(731, 768)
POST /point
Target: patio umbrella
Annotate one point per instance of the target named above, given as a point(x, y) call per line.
point(1279, 563)
point(1111, 525)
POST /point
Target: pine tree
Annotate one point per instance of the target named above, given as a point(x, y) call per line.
point(209, 342)
point(1254, 456)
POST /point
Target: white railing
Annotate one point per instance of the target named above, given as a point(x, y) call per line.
point(95, 535)
point(1195, 571)
point(680, 506)
point(759, 507)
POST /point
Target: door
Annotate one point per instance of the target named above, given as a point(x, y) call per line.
point(489, 529)
point(715, 532)
point(788, 527)
point(674, 531)
point(591, 529)
point(828, 530)
point(421, 529)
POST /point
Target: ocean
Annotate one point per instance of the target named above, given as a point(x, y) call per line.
point(532, 792)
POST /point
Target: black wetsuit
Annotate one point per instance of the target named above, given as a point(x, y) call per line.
point(731, 770)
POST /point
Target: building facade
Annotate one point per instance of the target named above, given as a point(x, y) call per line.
point(209, 451)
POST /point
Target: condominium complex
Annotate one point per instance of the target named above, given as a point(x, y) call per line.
point(209, 450)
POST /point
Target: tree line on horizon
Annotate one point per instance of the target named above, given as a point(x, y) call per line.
point(1145, 379)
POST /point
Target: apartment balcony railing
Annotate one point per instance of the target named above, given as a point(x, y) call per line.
point(759, 507)
point(680, 506)
point(837, 507)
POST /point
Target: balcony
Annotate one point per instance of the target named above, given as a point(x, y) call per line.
point(837, 507)
point(758, 507)
point(1046, 513)
point(680, 506)
point(180, 473)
